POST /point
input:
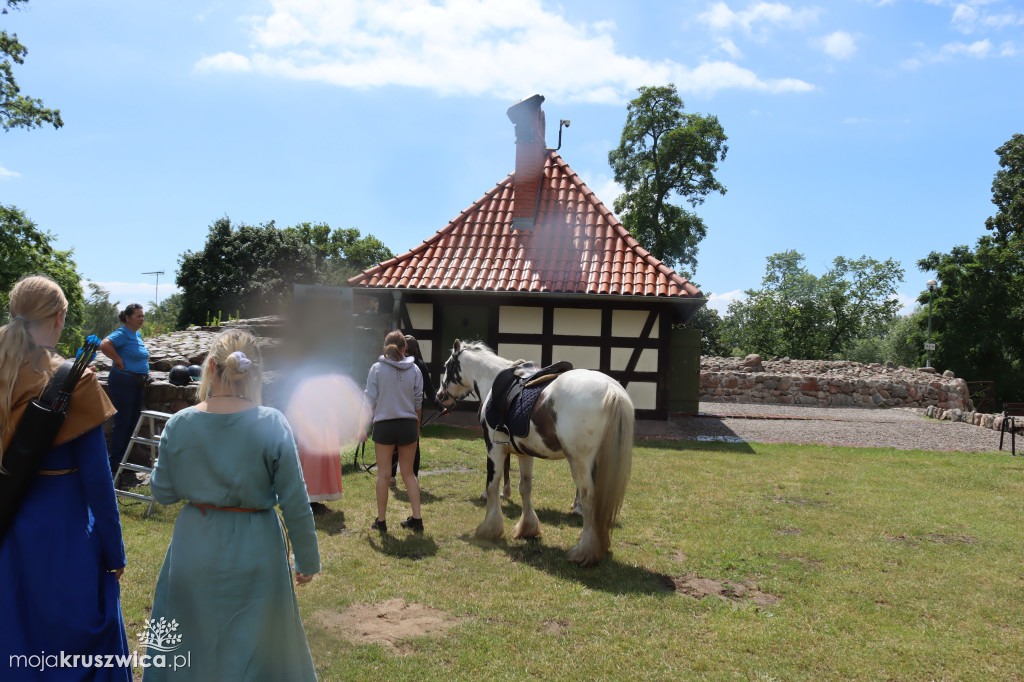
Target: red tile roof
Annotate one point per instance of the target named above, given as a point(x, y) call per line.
point(577, 246)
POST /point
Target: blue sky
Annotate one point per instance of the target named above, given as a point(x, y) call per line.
point(855, 127)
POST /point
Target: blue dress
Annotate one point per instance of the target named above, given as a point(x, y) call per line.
point(57, 591)
point(225, 582)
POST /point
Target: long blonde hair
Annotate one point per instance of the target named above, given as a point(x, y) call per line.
point(237, 378)
point(34, 299)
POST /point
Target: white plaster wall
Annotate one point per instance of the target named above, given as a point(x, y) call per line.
point(426, 348)
point(648, 359)
point(630, 323)
point(514, 319)
point(581, 357)
point(516, 351)
point(643, 395)
point(421, 315)
point(585, 322)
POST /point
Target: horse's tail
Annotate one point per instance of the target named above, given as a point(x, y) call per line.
point(612, 464)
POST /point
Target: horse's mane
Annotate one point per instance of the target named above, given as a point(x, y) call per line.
point(477, 345)
point(481, 346)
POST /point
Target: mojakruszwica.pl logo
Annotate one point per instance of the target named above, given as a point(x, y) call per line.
point(160, 635)
point(159, 641)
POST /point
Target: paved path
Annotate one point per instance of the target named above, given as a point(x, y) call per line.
point(903, 428)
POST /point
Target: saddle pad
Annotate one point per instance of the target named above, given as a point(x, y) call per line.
point(522, 408)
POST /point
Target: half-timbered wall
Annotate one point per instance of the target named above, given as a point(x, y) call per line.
point(628, 342)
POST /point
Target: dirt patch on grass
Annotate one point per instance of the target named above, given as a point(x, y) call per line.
point(692, 585)
point(789, 531)
point(940, 538)
point(556, 627)
point(799, 501)
point(389, 623)
point(810, 563)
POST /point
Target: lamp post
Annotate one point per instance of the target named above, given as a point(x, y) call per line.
point(928, 347)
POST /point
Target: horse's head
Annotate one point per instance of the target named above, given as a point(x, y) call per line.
point(452, 386)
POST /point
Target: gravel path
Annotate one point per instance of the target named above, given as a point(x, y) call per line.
point(903, 428)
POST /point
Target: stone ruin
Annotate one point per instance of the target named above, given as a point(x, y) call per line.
point(821, 383)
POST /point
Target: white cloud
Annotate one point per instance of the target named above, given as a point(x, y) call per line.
point(760, 14)
point(971, 17)
point(852, 120)
point(720, 302)
point(839, 45)
point(225, 61)
point(978, 50)
point(468, 47)
point(606, 189)
point(1007, 49)
point(4, 173)
point(730, 48)
point(907, 303)
point(133, 292)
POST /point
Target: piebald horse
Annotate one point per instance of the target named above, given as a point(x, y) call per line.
point(582, 416)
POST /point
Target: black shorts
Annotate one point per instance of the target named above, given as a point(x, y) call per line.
point(396, 431)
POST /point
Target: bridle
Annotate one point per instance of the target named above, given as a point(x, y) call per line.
point(453, 375)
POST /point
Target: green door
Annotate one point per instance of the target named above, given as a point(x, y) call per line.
point(463, 322)
point(684, 372)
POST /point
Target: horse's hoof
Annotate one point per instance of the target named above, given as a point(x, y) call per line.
point(527, 533)
point(577, 555)
point(506, 496)
point(485, 532)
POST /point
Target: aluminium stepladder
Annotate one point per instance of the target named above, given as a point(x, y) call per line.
point(153, 442)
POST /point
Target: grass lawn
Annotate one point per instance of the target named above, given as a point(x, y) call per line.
point(834, 563)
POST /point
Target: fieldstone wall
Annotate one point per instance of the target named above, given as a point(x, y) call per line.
point(828, 384)
point(189, 347)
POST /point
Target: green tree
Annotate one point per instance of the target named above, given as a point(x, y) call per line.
point(1008, 191)
point(17, 110)
point(978, 307)
point(26, 250)
point(100, 316)
point(799, 315)
point(162, 318)
point(340, 253)
point(249, 270)
point(666, 153)
point(711, 327)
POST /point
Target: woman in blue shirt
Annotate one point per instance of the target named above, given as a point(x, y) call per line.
point(127, 378)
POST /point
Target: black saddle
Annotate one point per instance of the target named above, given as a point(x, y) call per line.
point(513, 395)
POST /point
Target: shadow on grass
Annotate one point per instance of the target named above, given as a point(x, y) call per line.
point(608, 576)
point(426, 497)
point(445, 432)
point(699, 445)
point(333, 523)
point(412, 546)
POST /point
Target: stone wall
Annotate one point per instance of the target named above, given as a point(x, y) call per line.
point(747, 380)
point(828, 384)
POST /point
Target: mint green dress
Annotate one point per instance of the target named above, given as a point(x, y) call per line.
point(225, 581)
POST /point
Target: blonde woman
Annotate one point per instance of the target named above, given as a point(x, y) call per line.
point(226, 578)
point(61, 560)
point(394, 393)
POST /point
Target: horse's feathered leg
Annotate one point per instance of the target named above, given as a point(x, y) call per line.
point(506, 491)
point(529, 524)
point(588, 550)
point(493, 525)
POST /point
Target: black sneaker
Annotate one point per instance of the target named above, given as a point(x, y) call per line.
point(413, 524)
point(379, 525)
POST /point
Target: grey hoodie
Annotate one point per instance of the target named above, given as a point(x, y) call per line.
point(394, 390)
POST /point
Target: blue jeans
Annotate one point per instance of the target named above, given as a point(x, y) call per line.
point(126, 395)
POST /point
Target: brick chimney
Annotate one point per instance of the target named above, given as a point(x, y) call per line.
point(531, 150)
